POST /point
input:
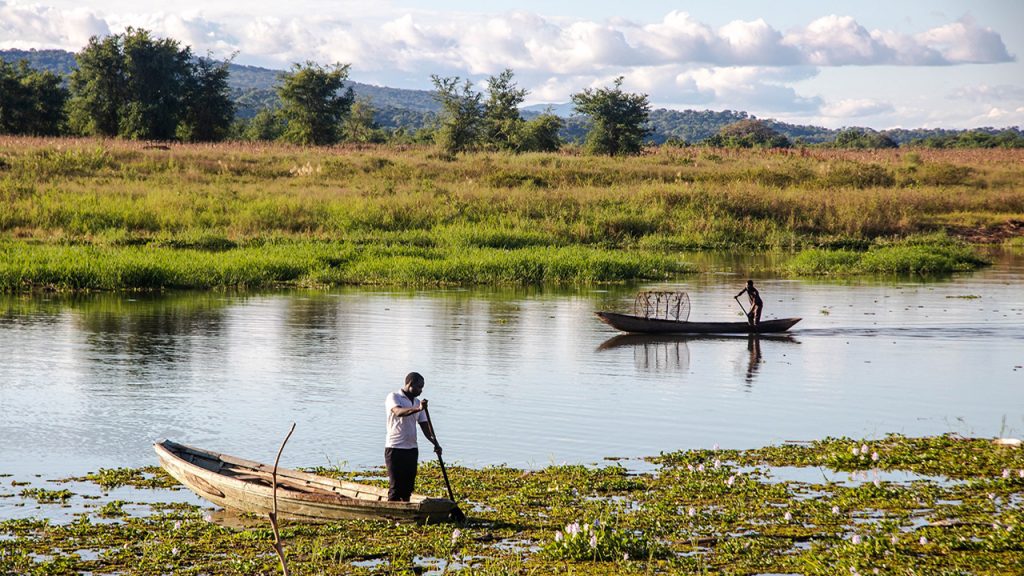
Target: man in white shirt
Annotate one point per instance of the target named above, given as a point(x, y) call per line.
point(404, 411)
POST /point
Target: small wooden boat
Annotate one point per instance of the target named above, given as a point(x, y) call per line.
point(245, 486)
point(641, 325)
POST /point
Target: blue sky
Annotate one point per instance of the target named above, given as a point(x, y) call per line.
point(940, 63)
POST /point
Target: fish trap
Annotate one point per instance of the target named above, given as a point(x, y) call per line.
point(662, 305)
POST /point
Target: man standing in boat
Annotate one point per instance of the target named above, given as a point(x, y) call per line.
point(404, 411)
point(754, 315)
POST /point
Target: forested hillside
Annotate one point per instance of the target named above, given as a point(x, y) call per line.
point(252, 89)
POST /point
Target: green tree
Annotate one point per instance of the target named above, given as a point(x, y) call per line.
point(361, 125)
point(462, 115)
point(541, 134)
point(618, 119)
point(314, 102)
point(749, 133)
point(266, 125)
point(98, 87)
point(502, 123)
point(863, 139)
point(136, 86)
point(157, 74)
point(31, 101)
point(209, 110)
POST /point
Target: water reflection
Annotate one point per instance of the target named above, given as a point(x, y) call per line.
point(671, 353)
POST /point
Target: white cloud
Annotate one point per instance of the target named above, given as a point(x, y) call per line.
point(964, 42)
point(679, 60)
point(986, 93)
point(41, 27)
point(856, 108)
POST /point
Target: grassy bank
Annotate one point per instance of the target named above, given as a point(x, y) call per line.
point(295, 212)
point(941, 505)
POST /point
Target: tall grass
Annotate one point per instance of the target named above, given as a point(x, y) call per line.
point(503, 211)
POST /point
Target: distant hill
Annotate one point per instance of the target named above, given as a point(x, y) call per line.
point(252, 89)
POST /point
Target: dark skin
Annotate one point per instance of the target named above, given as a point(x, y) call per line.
point(412, 391)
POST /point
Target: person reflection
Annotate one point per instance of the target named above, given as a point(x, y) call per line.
point(754, 361)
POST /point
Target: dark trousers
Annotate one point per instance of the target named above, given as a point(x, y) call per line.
point(755, 314)
point(401, 465)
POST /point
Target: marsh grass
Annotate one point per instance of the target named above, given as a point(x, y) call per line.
point(238, 200)
point(697, 511)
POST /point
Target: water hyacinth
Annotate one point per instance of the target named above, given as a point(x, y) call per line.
point(855, 539)
point(787, 516)
point(1006, 473)
point(455, 535)
point(692, 511)
point(924, 540)
point(835, 509)
point(596, 541)
point(864, 449)
point(730, 480)
point(874, 456)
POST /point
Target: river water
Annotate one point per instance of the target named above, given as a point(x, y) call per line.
point(522, 377)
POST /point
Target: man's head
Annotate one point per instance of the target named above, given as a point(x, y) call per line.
point(413, 384)
point(750, 283)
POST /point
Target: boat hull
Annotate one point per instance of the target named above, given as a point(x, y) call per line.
point(640, 325)
point(246, 486)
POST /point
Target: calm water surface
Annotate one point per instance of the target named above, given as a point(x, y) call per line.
point(524, 378)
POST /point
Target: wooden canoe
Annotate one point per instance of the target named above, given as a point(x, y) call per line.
point(245, 486)
point(641, 325)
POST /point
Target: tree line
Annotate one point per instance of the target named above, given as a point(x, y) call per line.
point(134, 85)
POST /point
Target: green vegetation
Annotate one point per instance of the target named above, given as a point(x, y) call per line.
point(941, 505)
point(314, 103)
point(31, 102)
point(748, 134)
point(83, 214)
point(618, 119)
point(135, 86)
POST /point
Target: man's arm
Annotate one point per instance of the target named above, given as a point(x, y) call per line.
point(429, 434)
point(402, 412)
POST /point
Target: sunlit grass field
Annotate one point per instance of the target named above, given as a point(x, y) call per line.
point(99, 214)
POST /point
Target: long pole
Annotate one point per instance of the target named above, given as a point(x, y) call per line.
point(457, 514)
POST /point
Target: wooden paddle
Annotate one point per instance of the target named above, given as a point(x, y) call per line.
point(750, 320)
point(456, 513)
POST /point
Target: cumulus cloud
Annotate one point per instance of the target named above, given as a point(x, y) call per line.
point(678, 60)
point(34, 26)
point(856, 108)
point(986, 93)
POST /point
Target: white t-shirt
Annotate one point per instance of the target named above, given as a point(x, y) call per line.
point(402, 430)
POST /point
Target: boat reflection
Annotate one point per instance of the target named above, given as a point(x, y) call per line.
point(671, 352)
